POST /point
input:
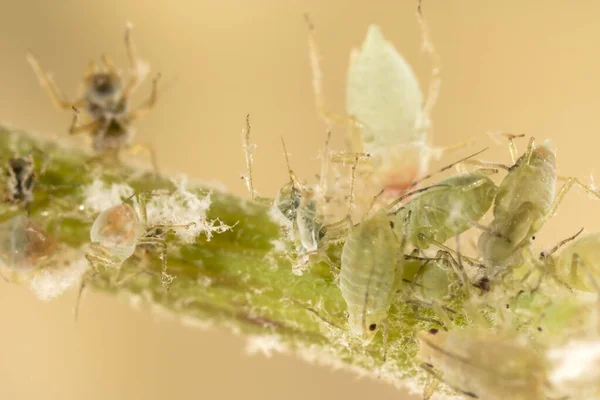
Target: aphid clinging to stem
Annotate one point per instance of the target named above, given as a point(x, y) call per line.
point(105, 101)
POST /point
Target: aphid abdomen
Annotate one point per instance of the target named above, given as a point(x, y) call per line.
point(485, 365)
point(23, 243)
point(445, 212)
point(117, 230)
point(532, 182)
point(579, 264)
point(370, 266)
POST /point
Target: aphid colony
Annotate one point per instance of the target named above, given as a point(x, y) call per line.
point(397, 254)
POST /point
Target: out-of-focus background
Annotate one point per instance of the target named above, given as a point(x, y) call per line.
point(526, 67)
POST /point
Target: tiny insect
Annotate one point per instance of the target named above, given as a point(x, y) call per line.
point(388, 116)
point(24, 244)
point(483, 365)
point(524, 202)
point(438, 215)
point(105, 101)
point(116, 234)
point(21, 179)
point(372, 261)
point(297, 203)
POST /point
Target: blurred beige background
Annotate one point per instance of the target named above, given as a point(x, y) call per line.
point(528, 67)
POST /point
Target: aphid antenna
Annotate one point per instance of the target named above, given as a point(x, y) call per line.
point(352, 186)
point(435, 80)
point(314, 312)
point(293, 178)
point(429, 369)
point(82, 286)
point(568, 185)
point(247, 149)
point(445, 168)
point(407, 195)
point(560, 244)
point(324, 167)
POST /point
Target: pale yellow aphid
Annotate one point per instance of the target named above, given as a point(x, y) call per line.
point(387, 112)
point(484, 365)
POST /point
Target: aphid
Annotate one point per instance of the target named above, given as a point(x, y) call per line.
point(384, 101)
point(448, 211)
point(21, 179)
point(24, 244)
point(484, 365)
point(297, 203)
point(372, 263)
point(105, 101)
point(524, 202)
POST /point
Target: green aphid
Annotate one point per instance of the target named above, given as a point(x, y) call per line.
point(447, 211)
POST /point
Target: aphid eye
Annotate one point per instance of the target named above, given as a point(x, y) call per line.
point(372, 327)
point(433, 331)
point(533, 238)
point(392, 224)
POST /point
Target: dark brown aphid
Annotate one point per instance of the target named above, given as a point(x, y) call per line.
point(21, 178)
point(105, 101)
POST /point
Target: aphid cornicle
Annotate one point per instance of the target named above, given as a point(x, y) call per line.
point(449, 210)
point(21, 178)
point(105, 101)
point(24, 244)
point(484, 365)
point(371, 266)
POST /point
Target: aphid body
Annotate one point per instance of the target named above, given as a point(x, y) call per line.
point(114, 235)
point(484, 365)
point(384, 97)
point(21, 178)
point(24, 244)
point(371, 266)
point(447, 210)
point(105, 100)
point(522, 205)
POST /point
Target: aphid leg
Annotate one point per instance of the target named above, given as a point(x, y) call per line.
point(385, 333)
point(147, 147)
point(487, 165)
point(317, 78)
point(133, 62)
point(146, 107)
point(352, 186)
point(161, 244)
point(407, 195)
point(89, 275)
point(50, 86)
point(75, 128)
point(431, 386)
point(108, 64)
point(435, 80)
point(570, 182)
point(445, 168)
point(315, 313)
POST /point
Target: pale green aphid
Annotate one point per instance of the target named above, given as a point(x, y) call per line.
point(445, 212)
point(525, 200)
point(372, 263)
point(483, 365)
